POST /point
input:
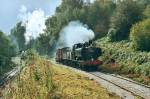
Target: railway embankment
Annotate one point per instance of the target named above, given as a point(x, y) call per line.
point(42, 79)
point(120, 58)
point(123, 87)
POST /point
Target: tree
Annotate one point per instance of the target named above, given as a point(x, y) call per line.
point(147, 12)
point(127, 13)
point(98, 16)
point(18, 32)
point(7, 50)
point(140, 35)
point(43, 44)
point(6, 47)
point(69, 10)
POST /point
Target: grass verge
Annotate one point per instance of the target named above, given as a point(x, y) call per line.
point(40, 79)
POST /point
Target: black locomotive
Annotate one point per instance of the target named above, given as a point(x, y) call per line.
point(83, 56)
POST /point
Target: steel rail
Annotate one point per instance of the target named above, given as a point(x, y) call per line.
point(92, 73)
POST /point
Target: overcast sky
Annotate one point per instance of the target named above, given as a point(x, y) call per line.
point(10, 9)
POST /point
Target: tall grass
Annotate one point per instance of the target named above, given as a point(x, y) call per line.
point(34, 82)
point(40, 79)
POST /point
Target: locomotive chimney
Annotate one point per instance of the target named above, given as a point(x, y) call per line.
point(90, 42)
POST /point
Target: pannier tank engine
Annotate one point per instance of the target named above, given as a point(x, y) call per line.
point(83, 56)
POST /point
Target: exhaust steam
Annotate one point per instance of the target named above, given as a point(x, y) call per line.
point(75, 32)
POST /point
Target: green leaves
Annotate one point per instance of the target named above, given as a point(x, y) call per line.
point(140, 35)
point(147, 11)
point(131, 61)
point(7, 50)
point(127, 13)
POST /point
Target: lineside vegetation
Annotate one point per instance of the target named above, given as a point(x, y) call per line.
point(40, 79)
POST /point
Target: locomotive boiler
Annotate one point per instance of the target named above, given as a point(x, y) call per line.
point(81, 55)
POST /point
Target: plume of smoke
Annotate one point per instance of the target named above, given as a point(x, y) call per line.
point(33, 21)
point(74, 33)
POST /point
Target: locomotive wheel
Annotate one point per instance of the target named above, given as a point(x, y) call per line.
point(83, 67)
point(75, 64)
point(93, 68)
point(78, 65)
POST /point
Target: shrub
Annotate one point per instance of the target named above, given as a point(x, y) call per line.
point(29, 54)
point(143, 69)
point(131, 62)
point(140, 35)
point(147, 12)
point(112, 34)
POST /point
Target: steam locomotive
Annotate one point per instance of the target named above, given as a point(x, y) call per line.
point(81, 55)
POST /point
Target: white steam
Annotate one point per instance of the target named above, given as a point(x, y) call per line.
point(33, 21)
point(74, 33)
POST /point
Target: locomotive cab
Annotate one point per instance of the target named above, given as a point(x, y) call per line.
point(91, 53)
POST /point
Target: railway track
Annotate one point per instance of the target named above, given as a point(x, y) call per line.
point(133, 87)
point(127, 79)
point(8, 76)
point(124, 87)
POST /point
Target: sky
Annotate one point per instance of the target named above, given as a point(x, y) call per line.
point(10, 10)
point(13, 11)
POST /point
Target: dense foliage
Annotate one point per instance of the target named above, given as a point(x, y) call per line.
point(125, 59)
point(147, 11)
point(140, 35)
point(127, 13)
point(7, 50)
point(98, 16)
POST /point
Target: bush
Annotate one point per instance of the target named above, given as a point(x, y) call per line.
point(147, 12)
point(130, 61)
point(140, 35)
point(143, 69)
point(112, 34)
point(29, 54)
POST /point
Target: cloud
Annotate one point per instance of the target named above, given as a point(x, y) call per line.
point(23, 9)
point(33, 21)
point(9, 10)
